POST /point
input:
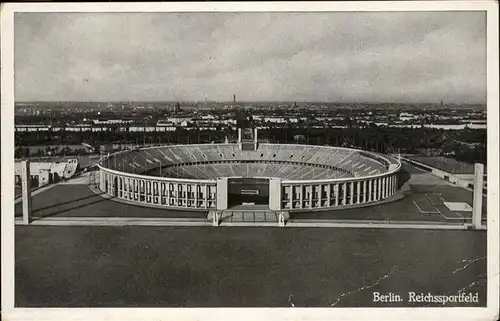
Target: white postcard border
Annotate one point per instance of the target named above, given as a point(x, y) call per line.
point(7, 168)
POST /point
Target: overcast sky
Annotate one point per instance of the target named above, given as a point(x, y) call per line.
point(392, 57)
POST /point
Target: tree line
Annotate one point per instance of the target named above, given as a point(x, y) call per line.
point(422, 141)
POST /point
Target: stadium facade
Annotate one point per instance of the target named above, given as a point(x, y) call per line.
point(280, 177)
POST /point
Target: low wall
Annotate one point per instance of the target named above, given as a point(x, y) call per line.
point(452, 178)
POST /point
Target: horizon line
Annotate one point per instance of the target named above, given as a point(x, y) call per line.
point(248, 101)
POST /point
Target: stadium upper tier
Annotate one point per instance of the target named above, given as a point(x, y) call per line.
point(211, 161)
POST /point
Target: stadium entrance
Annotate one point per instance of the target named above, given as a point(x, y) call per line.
point(248, 191)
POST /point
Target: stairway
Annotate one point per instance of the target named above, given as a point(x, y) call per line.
point(248, 217)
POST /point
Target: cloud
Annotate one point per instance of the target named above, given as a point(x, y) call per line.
point(401, 57)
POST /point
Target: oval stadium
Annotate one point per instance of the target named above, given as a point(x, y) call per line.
point(247, 173)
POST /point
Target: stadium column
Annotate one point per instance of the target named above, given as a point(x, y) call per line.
point(378, 188)
point(137, 189)
point(161, 188)
point(196, 189)
point(149, 191)
point(206, 192)
point(478, 195)
point(351, 200)
point(177, 192)
point(370, 183)
point(111, 185)
point(147, 188)
point(344, 194)
point(168, 190)
point(140, 189)
point(388, 187)
point(358, 188)
point(163, 193)
point(130, 188)
point(108, 183)
point(384, 185)
point(328, 195)
point(125, 187)
point(311, 192)
point(221, 191)
point(133, 185)
point(336, 191)
point(275, 194)
point(26, 191)
point(155, 185)
point(152, 191)
point(101, 180)
point(320, 195)
point(364, 191)
point(119, 187)
point(291, 196)
point(301, 196)
point(117, 182)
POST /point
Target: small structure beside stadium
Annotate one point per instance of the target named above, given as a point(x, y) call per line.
point(280, 178)
point(47, 172)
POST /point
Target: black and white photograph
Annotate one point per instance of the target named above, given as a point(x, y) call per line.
point(182, 156)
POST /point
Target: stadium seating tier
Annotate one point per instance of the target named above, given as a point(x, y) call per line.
point(228, 160)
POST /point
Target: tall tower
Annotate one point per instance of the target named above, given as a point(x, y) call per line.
point(26, 191)
point(234, 98)
point(478, 195)
point(177, 107)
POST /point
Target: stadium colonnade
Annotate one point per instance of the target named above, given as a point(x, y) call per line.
point(353, 177)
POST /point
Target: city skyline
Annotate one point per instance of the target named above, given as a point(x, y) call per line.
point(384, 57)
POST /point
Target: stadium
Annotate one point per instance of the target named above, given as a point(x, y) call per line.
point(249, 174)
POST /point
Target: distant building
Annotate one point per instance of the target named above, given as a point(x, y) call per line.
point(177, 108)
point(111, 121)
point(43, 173)
point(406, 116)
point(207, 117)
point(165, 123)
point(178, 120)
